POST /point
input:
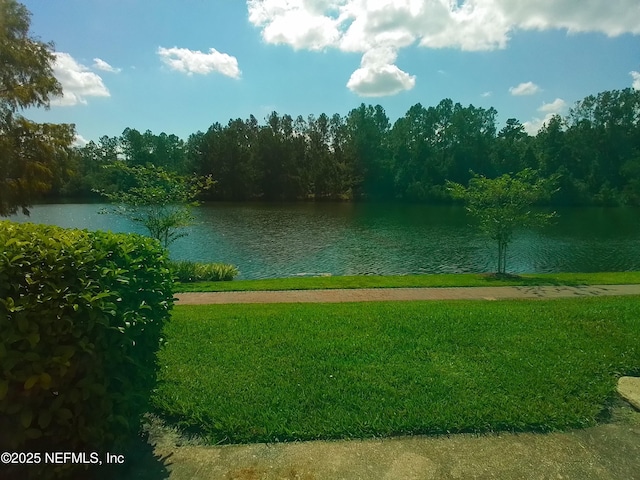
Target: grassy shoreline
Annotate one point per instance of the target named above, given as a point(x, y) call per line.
point(254, 373)
point(412, 281)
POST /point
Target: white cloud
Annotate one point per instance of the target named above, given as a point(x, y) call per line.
point(636, 80)
point(378, 77)
point(301, 30)
point(389, 23)
point(104, 66)
point(612, 17)
point(533, 126)
point(80, 141)
point(77, 81)
point(472, 25)
point(486, 94)
point(195, 61)
point(527, 88)
point(557, 107)
point(302, 24)
point(358, 25)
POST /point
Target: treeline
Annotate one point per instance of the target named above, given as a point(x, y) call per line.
point(595, 149)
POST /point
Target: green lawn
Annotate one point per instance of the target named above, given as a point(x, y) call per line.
point(248, 373)
point(437, 280)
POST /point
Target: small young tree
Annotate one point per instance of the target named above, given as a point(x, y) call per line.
point(503, 204)
point(159, 200)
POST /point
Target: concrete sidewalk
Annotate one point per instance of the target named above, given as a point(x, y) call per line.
point(399, 294)
point(606, 452)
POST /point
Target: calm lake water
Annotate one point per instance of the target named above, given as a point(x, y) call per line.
point(282, 240)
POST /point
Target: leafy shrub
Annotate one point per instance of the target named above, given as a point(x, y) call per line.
point(81, 315)
point(186, 271)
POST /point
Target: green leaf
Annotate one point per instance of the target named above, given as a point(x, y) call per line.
point(64, 414)
point(33, 339)
point(122, 421)
point(16, 258)
point(45, 380)
point(26, 416)
point(31, 381)
point(44, 419)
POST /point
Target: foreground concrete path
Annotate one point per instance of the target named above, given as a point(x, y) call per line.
point(605, 452)
point(391, 294)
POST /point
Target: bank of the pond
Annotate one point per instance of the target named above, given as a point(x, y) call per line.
point(410, 281)
point(251, 373)
point(309, 239)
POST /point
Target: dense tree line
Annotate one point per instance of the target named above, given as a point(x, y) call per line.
point(595, 149)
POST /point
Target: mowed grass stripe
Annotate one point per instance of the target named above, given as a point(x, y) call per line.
point(249, 373)
point(404, 281)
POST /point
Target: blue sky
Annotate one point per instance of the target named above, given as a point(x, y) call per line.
point(179, 66)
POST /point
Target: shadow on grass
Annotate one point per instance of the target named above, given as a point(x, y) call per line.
point(500, 279)
point(140, 463)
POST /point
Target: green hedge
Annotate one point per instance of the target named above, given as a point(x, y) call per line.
point(81, 315)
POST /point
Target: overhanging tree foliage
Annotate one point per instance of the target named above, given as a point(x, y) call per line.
point(159, 200)
point(32, 156)
point(503, 204)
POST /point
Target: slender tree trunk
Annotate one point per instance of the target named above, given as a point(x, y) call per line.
point(502, 256)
